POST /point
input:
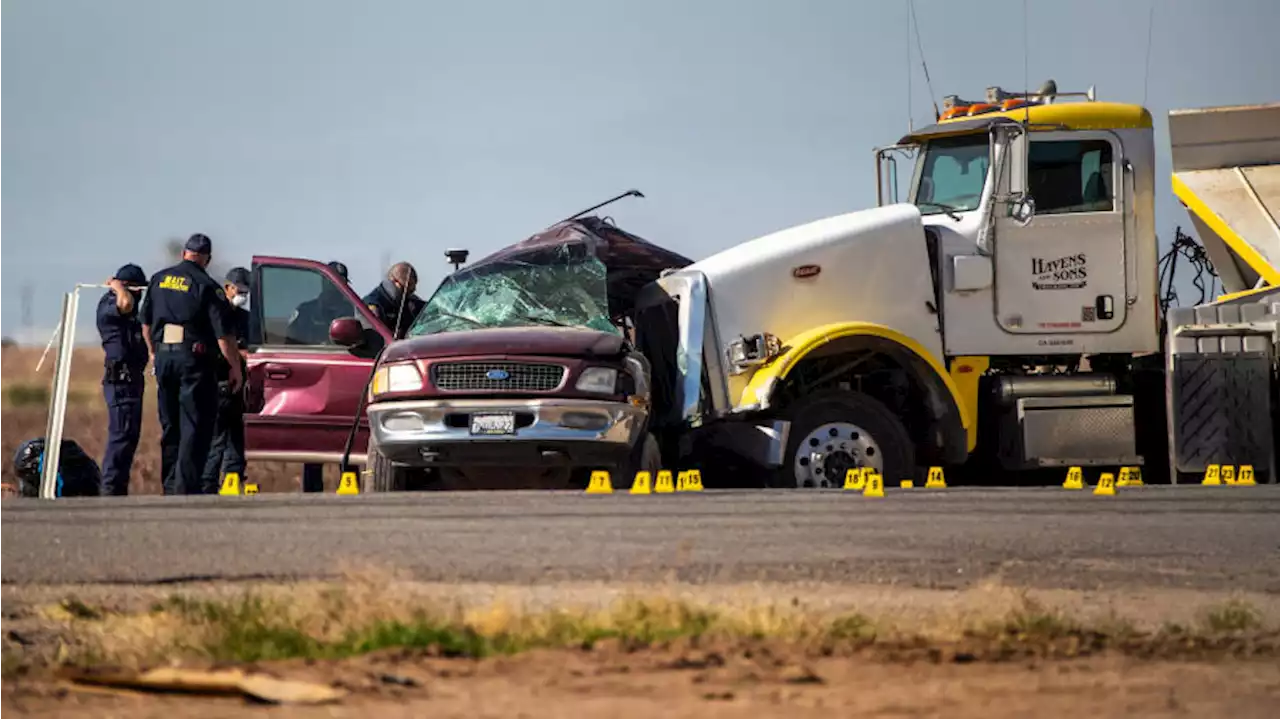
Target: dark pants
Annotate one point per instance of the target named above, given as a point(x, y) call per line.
point(226, 453)
point(313, 477)
point(187, 395)
point(124, 426)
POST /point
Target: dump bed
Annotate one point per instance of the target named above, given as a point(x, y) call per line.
point(1226, 171)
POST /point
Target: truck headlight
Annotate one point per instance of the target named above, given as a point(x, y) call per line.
point(401, 377)
point(602, 380)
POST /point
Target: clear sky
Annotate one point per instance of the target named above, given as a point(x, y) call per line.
point(386, 130)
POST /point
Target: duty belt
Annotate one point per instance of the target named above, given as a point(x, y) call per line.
point(173, 338)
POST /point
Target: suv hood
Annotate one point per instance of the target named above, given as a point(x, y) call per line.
point(536, 341)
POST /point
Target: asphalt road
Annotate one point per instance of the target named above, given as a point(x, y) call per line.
point(1200, 537)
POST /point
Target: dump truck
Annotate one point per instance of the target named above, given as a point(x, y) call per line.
point(1005, 315)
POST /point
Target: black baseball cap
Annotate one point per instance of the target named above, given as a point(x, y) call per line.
point(199, 244)
point(131, 275)
point(239, 277)
point(340, 268)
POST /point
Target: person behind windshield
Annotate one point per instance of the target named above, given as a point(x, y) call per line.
point(384, 300)
point(310, 322)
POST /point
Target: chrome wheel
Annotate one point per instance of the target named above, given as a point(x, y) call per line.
point(828, 452)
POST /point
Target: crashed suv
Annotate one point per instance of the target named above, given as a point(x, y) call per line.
point(522, 362)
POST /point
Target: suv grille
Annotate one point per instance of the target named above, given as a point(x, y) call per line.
point(496, 376)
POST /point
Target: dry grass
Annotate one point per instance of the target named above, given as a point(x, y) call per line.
point(25, 413)
point(362, 615)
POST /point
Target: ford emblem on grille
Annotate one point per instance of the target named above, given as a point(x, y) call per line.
point(497, 374)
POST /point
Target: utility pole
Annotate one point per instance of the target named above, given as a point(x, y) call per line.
point(26, 308)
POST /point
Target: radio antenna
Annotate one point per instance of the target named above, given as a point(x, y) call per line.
point(923, 62)
point(610, 201)
point(1026, 66)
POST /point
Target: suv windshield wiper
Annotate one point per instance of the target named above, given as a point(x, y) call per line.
point(544, 321)
point(949, 210)
point(447, 313)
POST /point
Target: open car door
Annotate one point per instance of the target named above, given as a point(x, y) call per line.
point(303, 388)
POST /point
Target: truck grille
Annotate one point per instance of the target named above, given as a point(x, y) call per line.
point(496, 377)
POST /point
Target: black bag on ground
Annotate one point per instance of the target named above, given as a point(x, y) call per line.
point(80, 475)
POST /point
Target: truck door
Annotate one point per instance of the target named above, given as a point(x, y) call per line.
point(1064, 272)
point(303, 388)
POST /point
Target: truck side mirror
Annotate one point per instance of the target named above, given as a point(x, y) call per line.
point(1022, 209)
point(346, 332)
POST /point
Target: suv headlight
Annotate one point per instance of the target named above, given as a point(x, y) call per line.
point(401, 377)
point(603, 380)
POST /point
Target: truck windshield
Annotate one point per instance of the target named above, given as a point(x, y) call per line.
point(954, 171)
point(572, 293)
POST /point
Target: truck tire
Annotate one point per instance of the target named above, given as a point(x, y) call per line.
point(833, 432)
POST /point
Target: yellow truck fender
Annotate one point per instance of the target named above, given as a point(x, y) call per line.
point(927, 369)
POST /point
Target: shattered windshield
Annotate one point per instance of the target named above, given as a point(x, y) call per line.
point(565, 292)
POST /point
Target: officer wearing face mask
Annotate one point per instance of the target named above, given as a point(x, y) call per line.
point(226, 451)
point(125, 357)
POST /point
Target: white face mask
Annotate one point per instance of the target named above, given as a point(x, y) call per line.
point(240, 300)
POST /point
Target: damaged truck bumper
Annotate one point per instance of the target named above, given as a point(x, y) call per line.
point(426, 433)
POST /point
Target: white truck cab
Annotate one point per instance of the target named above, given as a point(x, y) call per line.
point(1012, 290)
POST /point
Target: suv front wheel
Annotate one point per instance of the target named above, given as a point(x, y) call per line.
point(387, 477)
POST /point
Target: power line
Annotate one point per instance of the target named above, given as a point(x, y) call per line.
point(1146, 72)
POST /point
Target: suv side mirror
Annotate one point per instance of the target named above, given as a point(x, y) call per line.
point(347, 332)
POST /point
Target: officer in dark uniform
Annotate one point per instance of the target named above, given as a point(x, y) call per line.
point(186, 321)
point(385, 298)
point(125, 357)
point(226, 453)
point(309, 324)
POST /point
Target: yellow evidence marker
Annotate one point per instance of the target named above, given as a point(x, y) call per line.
point(250, 487)
point(1106, 485)
point(600, 483)
point(230, 485)
point(1228, 474)
point(855, 479)
point(1212, 475)
point(347, 484)
point(906, 484)
point(1075, 479)
point(1124, 479)
point(1246, 476)
point(875, 484)
point(1135, 477)
point(693, 480)
point(664, 485)
point(936, 479)
point(641, 483)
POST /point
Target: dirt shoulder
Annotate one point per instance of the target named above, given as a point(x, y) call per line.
point(404, 648)
point(700, 683)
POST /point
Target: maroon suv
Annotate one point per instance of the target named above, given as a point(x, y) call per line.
point(520, 363)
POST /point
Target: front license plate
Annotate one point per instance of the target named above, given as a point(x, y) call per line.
point(493, 424)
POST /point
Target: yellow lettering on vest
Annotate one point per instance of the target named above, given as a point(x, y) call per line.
point(175, 282)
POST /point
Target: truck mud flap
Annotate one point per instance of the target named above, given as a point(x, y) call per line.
point(1221, 408)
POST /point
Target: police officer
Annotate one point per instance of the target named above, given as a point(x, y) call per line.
point(186, 321)
point(226, 453)
point(385, 298)
point(125, 358)
point(309, 324)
